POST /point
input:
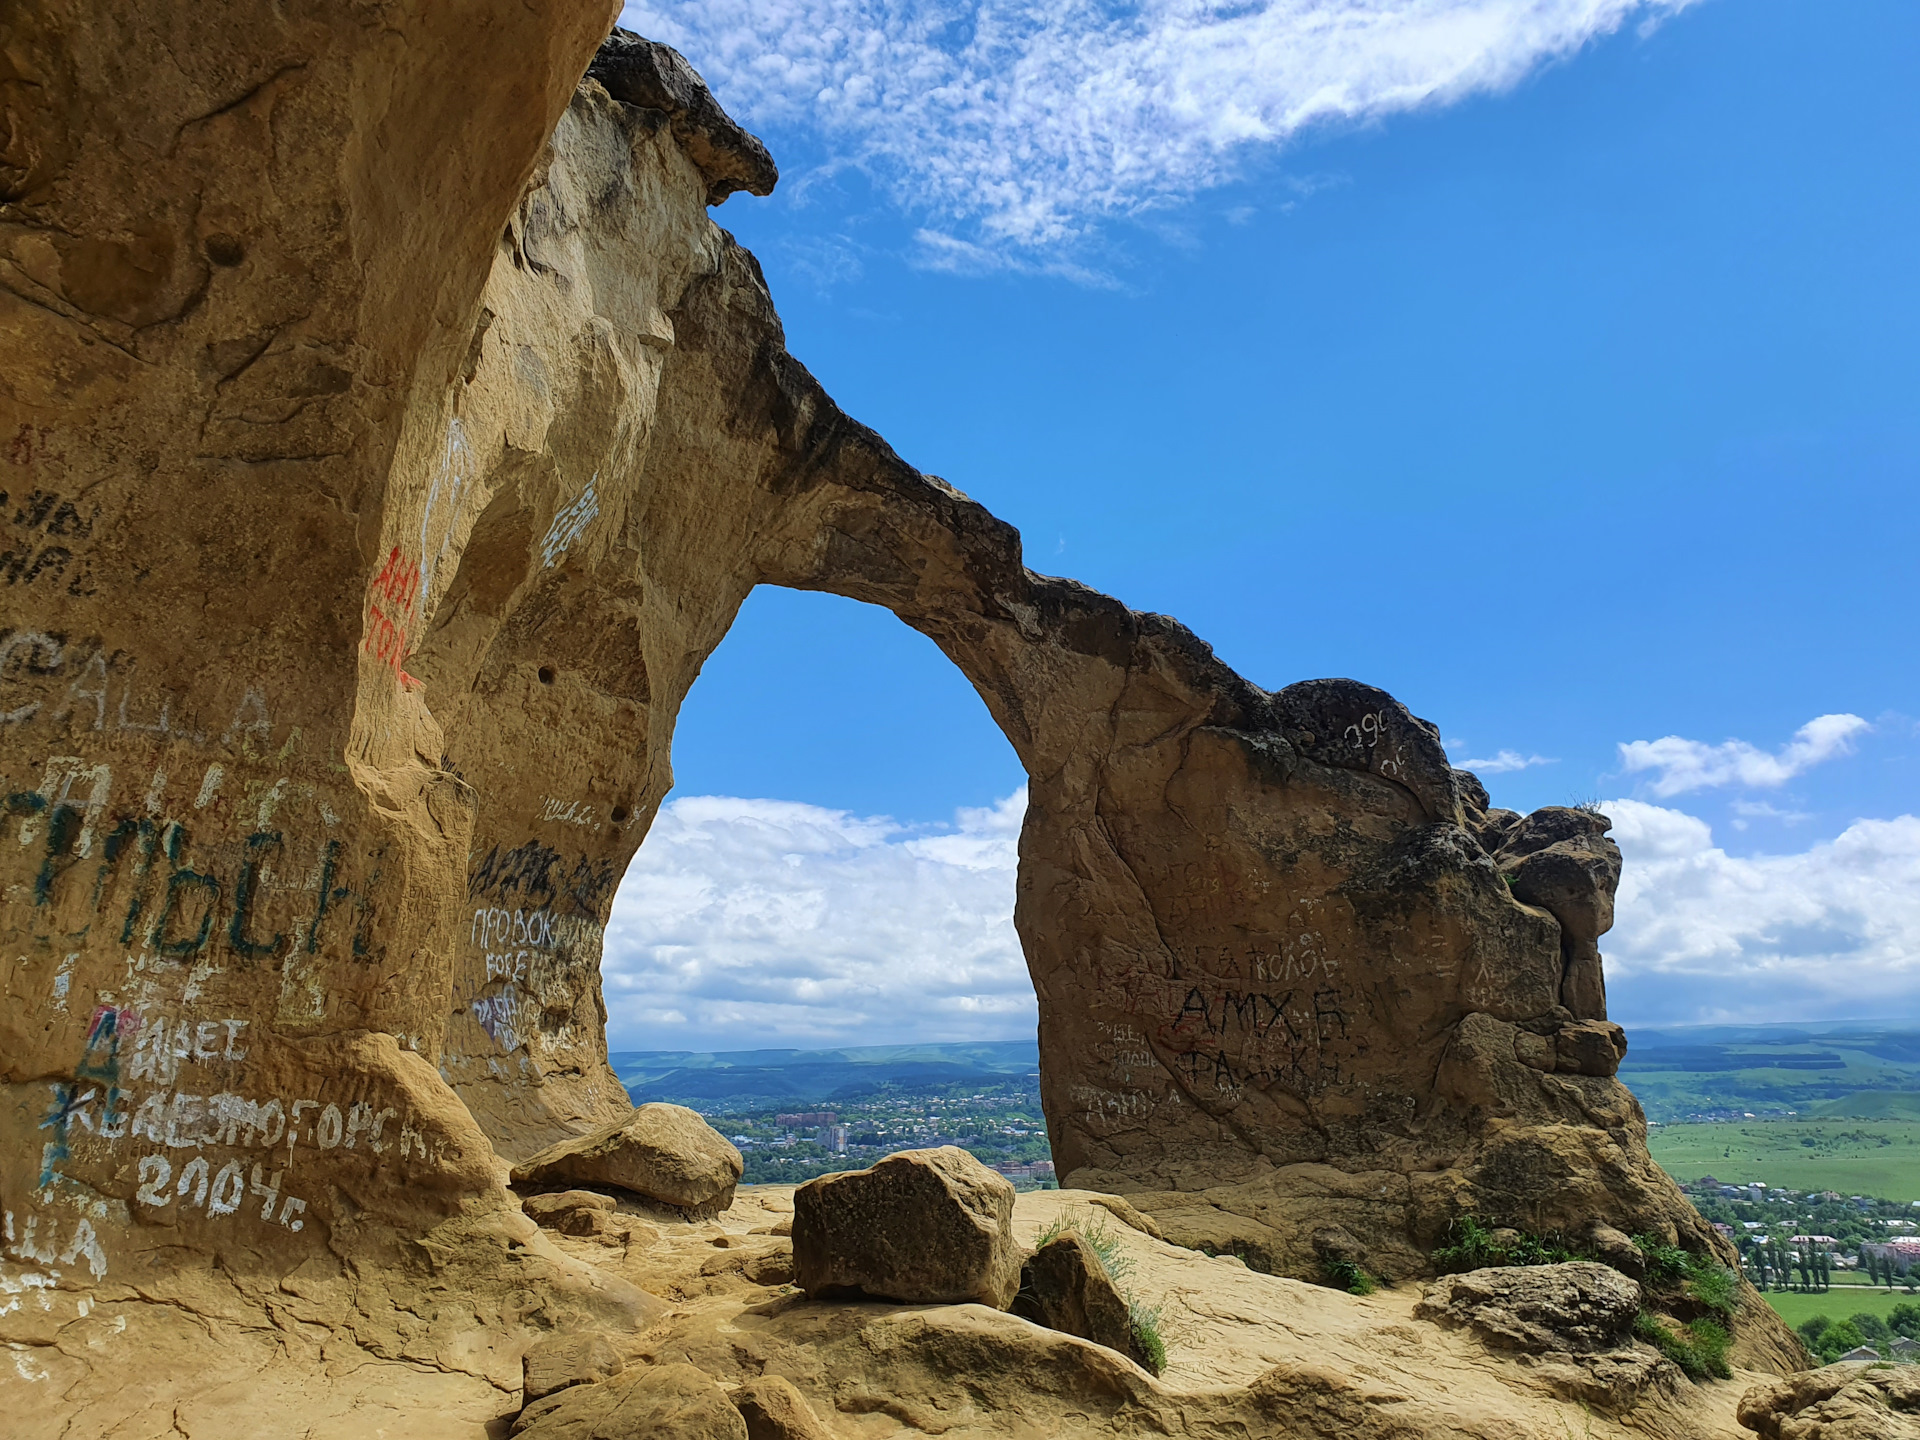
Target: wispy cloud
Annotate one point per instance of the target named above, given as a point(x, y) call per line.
point(1029, 120)
point(1831, 931)
point(768, 922)
point(1503, 761)
point(1684, 765)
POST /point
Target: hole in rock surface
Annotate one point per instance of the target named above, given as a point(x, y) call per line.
point(835, 865)
point(546, 675)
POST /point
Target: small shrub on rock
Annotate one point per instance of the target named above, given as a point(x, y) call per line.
point(1699, 1347)
point(1471, 1245)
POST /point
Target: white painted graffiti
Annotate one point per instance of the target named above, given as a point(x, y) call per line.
point(570, 523)
point(570, 812)
point(499, 1016)
point(82, 1243)
point(32, 654)
point(451, 482)
point(1367, 734)
point(162, 1045)
point(218, 1192)
point(492, 927)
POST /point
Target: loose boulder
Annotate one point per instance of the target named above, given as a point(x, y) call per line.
point(922, 1225)
point(1580, 1307)
point(565, 1361)
point(667, 1402)
point(665, 1153)
point(775, 1410)
point(1066, 1288)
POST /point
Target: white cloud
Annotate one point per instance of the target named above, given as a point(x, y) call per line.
point(1028, 119)
point(1693, 764)
point(1833, 931)
point(744, 923)
point(768, 922)
point(1503, 761)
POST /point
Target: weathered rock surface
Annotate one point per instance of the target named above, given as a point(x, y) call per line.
point(551, 1366)
point(389, 438)
point(1578, 1307)
point(920, 1225)
point(1064, 1287)
point(1837, 1402)
point(663, 1152)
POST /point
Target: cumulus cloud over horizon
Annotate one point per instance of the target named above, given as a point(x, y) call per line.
point(750, 923)
point(1026, 121)
point(1700, 935)
point(744, 923)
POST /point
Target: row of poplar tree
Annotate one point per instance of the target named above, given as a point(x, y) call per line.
point(1771, 1265)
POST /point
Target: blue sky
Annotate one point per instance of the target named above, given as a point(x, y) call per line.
point(1552, 365)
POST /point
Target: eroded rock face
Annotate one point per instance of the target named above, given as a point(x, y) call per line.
point(1837, 1402)
point(920, 1225)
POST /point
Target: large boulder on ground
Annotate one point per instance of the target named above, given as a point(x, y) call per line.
point(666, 1153)
point(1577, 1307)
point(923, 1225)
point(666, 1402)
point(1065, 1287)
point(1837, 1402)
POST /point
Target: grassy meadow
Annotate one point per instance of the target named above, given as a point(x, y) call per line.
point(1840, 1303)
point(1853, 1156)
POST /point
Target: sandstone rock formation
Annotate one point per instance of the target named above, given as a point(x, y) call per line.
point(1837, 1402)
point(389, 438)
point(661, 1152)
point(920, 1225)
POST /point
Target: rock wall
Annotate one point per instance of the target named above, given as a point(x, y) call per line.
point(390, 438)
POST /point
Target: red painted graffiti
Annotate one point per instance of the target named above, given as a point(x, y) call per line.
point(393, 601)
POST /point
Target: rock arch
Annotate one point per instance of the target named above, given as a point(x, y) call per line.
point(363, 441)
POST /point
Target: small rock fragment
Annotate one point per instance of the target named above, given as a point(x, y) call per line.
point(922, 1225)
point(551, 1366)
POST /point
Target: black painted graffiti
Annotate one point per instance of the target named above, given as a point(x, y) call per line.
point(48, 527)
point(1231, 1039)
point(537, 876)
point(177, 902)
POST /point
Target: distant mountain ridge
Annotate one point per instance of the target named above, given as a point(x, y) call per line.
point(1839, 1067)
point(695, 1077)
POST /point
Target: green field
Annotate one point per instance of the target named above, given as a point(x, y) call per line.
point(1838, 1303)
point(1855, 1157)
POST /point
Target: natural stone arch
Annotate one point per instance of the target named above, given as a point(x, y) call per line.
point(348, 476)
point(1259, 924)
